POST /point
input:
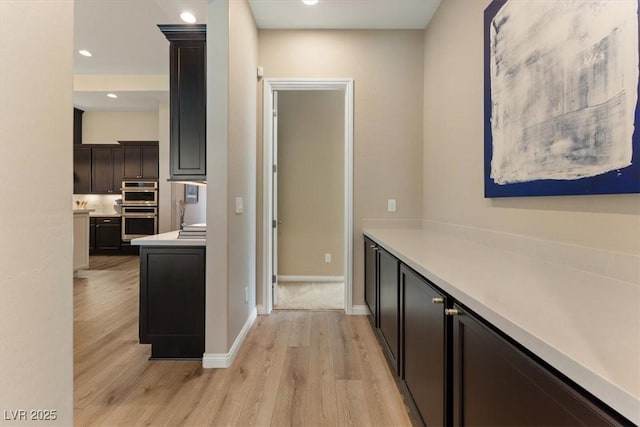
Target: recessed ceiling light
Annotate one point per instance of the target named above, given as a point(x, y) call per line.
point(112, 95)
point(85, 52)
point(188, 17)
point(310, 2)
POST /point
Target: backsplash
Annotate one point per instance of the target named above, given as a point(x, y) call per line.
point(101, 203)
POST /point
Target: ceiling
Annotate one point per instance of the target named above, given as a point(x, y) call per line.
point(124, 38)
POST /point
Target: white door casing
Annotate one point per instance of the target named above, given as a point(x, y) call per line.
point(271, 87)
point(274, 200)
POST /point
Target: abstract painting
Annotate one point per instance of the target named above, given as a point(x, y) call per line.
point(561, 97)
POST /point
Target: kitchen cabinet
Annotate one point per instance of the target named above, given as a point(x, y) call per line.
point(81, 169)
point(77, 126)
point(370, 279)
point(187, 92)
point(107, 234)
point(460, 370)
point(388, 298)
point(424, 338)
point(172, 301)
point(107, 169)
point(92, 234)
point(141, 160)
point(496, 383)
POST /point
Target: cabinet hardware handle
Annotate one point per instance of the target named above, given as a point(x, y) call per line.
point(106, 220)
point(437, 300)
point(451, 311)
point(373, 246)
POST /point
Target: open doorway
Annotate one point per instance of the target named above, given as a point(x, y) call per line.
point(310, 225)
point(310, 200)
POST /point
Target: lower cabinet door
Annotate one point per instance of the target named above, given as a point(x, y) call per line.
point(424, 339)
point(497, 384)
point(389, 310)
point(172, 300)
point(370, 279)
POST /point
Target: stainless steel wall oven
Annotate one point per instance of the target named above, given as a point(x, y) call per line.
point(139, 209)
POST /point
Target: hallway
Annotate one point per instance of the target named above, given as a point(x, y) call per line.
point(295, 368)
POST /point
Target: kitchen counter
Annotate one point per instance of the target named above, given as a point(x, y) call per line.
point(105, 214)
point(585, 325)
point(167, 239)
point(83, 211)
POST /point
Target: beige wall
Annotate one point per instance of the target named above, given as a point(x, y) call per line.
point(453, 151)
point(310, 182)
point(36, 305)
point(243, 62)
point(387, 68)
point(109, 127)
point(232, 46)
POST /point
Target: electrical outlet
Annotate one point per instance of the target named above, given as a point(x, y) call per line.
point(246, 294)
point(327, 257)
point(239, 205)
point(391, 205)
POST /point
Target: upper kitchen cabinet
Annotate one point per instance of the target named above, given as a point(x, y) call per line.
point(140, 159)
point(107, 169)
point(81, 169)
point(77, 125)
point(188, 101)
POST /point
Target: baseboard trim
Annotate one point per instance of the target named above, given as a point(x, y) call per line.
point(225, 360)
point(359, 310)
point(310, 278)
point(261, 310)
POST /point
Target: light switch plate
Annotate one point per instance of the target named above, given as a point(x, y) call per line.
point(391, 205)
point(239, 205)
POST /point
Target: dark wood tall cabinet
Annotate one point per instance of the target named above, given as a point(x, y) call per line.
point(140, 159)
point(188, 101)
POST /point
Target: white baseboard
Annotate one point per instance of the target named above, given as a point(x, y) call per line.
point(261, 310)
point(359, 310)
point(225, 360)
point(310, 278)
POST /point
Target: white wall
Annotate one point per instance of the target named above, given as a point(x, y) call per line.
point(109, 127)
point(36, 295)
point(453, 151)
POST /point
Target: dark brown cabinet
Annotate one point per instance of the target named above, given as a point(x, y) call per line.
point(92, 234)
point(172, 301)
point(107, 234)
point(424, 367)
point(370, 279)
point(388, 298)
point(141, 161)
point(107, 169)
point(459, 370)
point(81, 170)
point(188, 102)
point(77, 126)
point(496, 384)
point(101, 168)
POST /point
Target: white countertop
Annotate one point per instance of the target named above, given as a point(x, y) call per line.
point(82, 211)
point(585, 325)
point(106, 214)
point(167, 239)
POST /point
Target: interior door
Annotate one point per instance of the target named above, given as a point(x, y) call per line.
point(274, 201)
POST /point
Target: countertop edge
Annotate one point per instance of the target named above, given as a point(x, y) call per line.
point(611, 394)
point(167, 239)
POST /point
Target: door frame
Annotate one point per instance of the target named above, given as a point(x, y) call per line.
point(271, 85)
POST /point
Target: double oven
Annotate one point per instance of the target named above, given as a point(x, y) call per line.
point(139, 209)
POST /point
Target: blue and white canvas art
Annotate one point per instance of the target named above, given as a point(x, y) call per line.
point(561, 98)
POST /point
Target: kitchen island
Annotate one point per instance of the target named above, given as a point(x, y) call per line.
point(172, 295)
point(514, 323)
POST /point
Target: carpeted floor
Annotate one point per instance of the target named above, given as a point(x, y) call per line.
point(310, 296)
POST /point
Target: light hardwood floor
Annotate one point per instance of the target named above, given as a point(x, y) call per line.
point(311, 368)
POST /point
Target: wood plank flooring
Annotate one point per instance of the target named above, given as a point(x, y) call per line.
point(296, 368)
